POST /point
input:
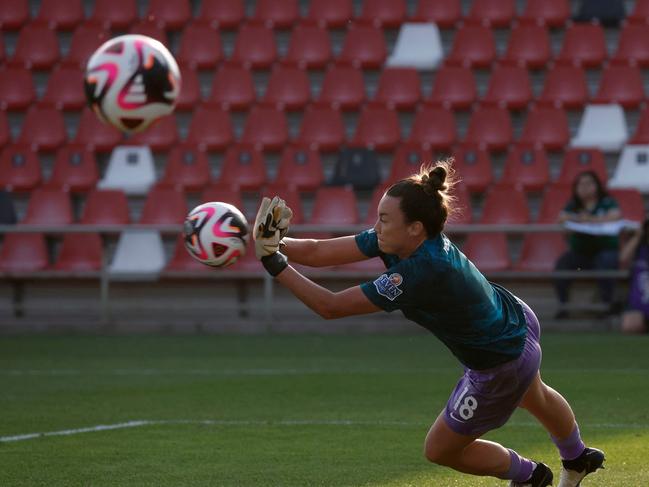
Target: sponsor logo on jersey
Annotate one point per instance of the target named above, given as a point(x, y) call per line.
point(388, 285)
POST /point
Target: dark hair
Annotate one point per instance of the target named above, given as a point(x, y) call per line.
point(425, 196)
point(601, 190)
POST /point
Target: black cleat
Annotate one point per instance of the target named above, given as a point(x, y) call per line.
point(574, 471)
point(541, 477)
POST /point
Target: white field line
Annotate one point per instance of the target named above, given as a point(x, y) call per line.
point(288, 422)
point(286, 371)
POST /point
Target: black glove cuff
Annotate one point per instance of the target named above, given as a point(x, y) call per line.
point(275, 263)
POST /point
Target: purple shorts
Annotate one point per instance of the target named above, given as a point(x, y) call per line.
point(484, 400)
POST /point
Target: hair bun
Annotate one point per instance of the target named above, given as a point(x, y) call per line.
point(436, 179)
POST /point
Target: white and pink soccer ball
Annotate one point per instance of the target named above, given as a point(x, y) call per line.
point(216, 234)
point(131, 81)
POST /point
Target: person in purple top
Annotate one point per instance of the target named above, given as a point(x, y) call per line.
point(495, 335)
point(635, 253)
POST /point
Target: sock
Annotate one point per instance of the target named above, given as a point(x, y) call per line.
point(520, 469)
point(570, 447)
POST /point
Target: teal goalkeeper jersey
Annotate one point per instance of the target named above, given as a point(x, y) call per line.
point(440, 289)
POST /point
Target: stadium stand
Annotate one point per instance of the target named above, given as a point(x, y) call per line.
point(583, 45)
point(418, 46)
point(232, 87)
point(364, 46)
point(322, 128)
point(631, 203)
point(61, 14)
point(49, 207)
point(473, 165)
point(187, 168)
point(434, 127)
point(139, 253)
point(505, 204)
point(454, 88)
point(333, 205)
point(490, 127)
point(222, 14)
point(288, 88)
point(609, 13)
point(509, 87)
point(159, 136)
point(255, 46)
point(210, 128)
point(87, 37)
point(5, 135)
point(169, 14)
point(357, 168)
point(115, 14)
point(488, 251)
point(94, 134)
point(164, 205)
point(444, 13)
point(277, 15)
point(553, 13)
point(546, 127)
point(151, 28)
point(633, 45)
point(565, 86)
point(43, 129)
point(473, 46)
point(75, 169)
point(20, 169)
point(602, 126)
point(332, 14)
point(190, 89)
point(266, 128)
point(37, 47)
point(640, 13)
point(81, 252)
point(24, 252)
point(300, 167)
point(540, 251)
point(243, 168)
point(131, 169)
point(106, 207)
point(310, 46)
point(527, 166)
point(16, 88)
point(631, 169)
point(578, 160)
point(13, 14)
point(63, 91)
point(378, 128)
point(492, 13)
point(622, 85)
point(343, 87)
point(408, 157)
point(399, 88)
point(200, 46)
point(528, 46)
point(383, 13)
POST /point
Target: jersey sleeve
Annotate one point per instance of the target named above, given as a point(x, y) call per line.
point(402, 285)
point(368, 243)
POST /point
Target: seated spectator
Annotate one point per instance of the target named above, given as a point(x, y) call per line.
point(589, 203)
point(7, 210)
point(636, 253)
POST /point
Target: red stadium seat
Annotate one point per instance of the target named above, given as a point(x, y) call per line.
point(43, 129)
point(334, 205)
point(490, 127)
point(115, 14)
point(509, 87)
point(377, 128)
point(444, 13)
point(2, 49)
point(633, 45)
point(94, 134)
point(583, 45)
point(151, 28)
point(187, 168)
point(322, 128)
point(61, 14)
point(528, 166)
point(364, 47)
point(622, 85)
point(310, 46)
point(48, 206)
point(408, 158)
point(493, 13)
point(169, 14)
point(640, 13)
point(75, 169)
point(20, 169)
point(5, 136)
point(540, 251)
point(579, 160)
point(222, 14)
point(631, 203)
point(473, 167)
point(233, 88)
point(488, 251)
point(529, 46)
point(223, 193)
point(255, 46)
point(63, 91)
point(461, 214)
point(434, 127)
point(288, 88)
point(553, 13)
point(277, 15)
point(200, 46)
point(164, 205)
point(384, 13)
point(289, 194)
point(16, 88)
point(244, 168)
point(106, 207)
point(473, 47)
point(37, 47)
point(554, 201)
point(399, 88)
point(546, 127)
point(13, 14)
point(160, 136)
point(505, 205)
point(331, 13)
point(641, 135)
point(300, 167)
point(210, 129)
point(23, 252)
point(86, 38)
point(565, 86)
point(266, 128)
point(190, 89)
point(80, 252)
point(454, 88)
point(343, 87)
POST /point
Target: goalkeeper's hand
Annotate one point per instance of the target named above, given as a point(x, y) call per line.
point(271, 225)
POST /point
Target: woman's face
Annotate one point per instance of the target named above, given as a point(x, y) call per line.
point(586, 188)
point(390, 227)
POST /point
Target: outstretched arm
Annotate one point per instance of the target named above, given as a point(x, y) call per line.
point(328, 304)
point(320, 253)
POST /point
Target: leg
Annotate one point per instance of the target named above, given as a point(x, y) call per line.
point(633, 322)
point(606, 260)
point(569, 261)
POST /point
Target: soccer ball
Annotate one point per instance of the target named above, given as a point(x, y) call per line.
point(131, 81)
point(216, 234)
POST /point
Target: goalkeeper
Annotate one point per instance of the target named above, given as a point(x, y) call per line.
point(493, 334)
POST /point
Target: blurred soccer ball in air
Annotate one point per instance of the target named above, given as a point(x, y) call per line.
point(216, 234)
point(131, 81)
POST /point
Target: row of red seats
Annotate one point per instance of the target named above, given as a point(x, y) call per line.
point(228, 14)
point(364, 46)
point(343, 87)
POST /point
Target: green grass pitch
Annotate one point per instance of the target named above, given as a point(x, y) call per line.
point(287, 410)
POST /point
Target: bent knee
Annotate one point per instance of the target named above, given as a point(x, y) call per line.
point(437, 455)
